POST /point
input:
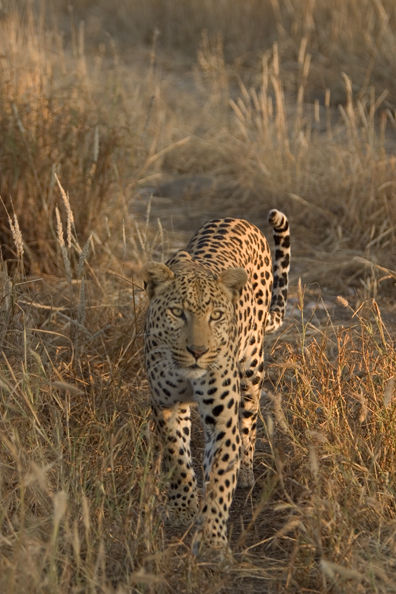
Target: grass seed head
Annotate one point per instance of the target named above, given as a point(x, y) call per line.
point(59, 226)
point(342, 301)
point(69, 212)
point(16, 235)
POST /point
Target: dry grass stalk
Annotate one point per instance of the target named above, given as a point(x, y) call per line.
point(83, 256)
point(388, 391)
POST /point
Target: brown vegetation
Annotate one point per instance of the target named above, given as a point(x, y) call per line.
point(119, 136)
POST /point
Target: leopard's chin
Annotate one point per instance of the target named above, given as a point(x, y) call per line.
point(193, 372)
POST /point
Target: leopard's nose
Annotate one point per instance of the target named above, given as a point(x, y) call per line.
point(197, 351)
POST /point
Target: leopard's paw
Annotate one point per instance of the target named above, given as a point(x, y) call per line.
point(245, 477)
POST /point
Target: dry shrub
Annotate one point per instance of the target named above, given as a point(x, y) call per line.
point(58, 119)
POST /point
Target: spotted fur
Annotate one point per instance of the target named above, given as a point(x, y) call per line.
point(210, 307)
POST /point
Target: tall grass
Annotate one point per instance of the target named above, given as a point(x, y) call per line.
point(85, 138)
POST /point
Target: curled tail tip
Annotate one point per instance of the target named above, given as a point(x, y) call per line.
point(281, 232)
point(277, 219)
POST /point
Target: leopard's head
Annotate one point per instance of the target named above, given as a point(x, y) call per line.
point(191, 313)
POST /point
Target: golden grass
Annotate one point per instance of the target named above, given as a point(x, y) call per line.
point(291, 105)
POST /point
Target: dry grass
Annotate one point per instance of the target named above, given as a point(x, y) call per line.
point(237, 122)
point(355, 37)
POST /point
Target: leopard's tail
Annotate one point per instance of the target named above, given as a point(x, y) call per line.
point(281, 267)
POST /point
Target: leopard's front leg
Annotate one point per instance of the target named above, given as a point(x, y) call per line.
point(173, 425)
point(218, 401)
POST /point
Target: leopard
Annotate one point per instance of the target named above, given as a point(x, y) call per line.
point(209, 309)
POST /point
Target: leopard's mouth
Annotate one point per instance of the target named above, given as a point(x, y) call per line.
point(189, 369)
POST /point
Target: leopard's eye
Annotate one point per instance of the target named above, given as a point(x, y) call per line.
point(176, 311)
point(216, 315)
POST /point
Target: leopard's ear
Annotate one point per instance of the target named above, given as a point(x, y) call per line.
point(234, 279)
point(154, 275)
